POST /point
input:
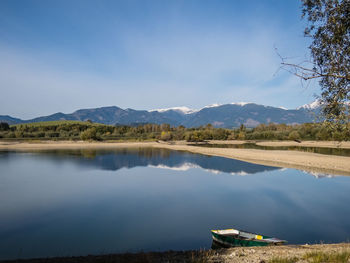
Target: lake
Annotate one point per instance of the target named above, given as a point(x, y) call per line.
point(79, 202)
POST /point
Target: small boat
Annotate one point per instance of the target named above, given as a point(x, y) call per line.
point(237, 238)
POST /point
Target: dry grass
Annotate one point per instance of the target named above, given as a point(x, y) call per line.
point(323, 257)
point(316, 257)
point(283, 260)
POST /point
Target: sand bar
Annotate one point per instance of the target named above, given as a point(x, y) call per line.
point(311, 162)
point(325, 144)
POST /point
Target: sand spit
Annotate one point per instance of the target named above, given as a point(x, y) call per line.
point(325, 144)
point(311, 162)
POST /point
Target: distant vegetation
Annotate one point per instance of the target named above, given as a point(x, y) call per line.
point(76, 130)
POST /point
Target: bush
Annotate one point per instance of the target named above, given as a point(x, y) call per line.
point(165, 136)
point(10, 135)
point(294, 135)
point(89, 134)
point(18, 134)
point(241, 135)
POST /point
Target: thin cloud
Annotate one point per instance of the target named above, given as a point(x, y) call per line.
point(165, 57)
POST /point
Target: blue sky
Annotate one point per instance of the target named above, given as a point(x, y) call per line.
point(66, 55)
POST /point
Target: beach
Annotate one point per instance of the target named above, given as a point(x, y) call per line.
point(310, 162)
point(325, 144)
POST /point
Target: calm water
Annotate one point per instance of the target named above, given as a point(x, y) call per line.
point(320, 150)
point(61, 203)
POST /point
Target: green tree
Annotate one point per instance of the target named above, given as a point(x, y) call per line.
point(329, 28)
point(4, 126)
point(242, 128)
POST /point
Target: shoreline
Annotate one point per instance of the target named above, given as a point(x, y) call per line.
point(323, 144)
point(310, 162)
point(229, 255)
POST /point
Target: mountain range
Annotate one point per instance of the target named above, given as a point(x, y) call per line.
point(226, 115)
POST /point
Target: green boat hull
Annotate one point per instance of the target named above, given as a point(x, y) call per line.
point(231, 241)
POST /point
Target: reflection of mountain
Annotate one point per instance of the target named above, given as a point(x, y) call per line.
point(187, 166)
point(321, 175)
point(160, 158)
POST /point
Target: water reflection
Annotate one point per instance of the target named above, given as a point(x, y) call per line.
point(159, 158)
point(77, 203)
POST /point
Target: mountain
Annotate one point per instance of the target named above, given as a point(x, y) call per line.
point(311, 106)
point(226, 115)
point(250, 114)
point(181, 110)
point(10, 120)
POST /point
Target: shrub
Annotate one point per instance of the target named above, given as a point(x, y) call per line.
point(294, 135)
point(165, 136)
point(241, 135)
point(18, 134)
point(89, 134)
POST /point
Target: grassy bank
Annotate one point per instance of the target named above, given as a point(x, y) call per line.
point(331, 253)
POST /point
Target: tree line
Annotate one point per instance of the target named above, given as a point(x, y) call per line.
point(73, 130)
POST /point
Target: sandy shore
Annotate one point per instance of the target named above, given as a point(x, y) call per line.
point(326, 144)
point(311, 162)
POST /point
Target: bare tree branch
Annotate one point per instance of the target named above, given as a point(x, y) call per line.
point(306, 73)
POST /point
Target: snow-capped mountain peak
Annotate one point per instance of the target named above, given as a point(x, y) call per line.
point(313, 105)
point(212, 105)
point(240, 103)
point(183, 110)
point(186, 110)
point(232, 103)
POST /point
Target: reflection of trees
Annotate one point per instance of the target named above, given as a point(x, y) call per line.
point(115, 159)
point(88, 153)
point(152, 152)
point(92, 153)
